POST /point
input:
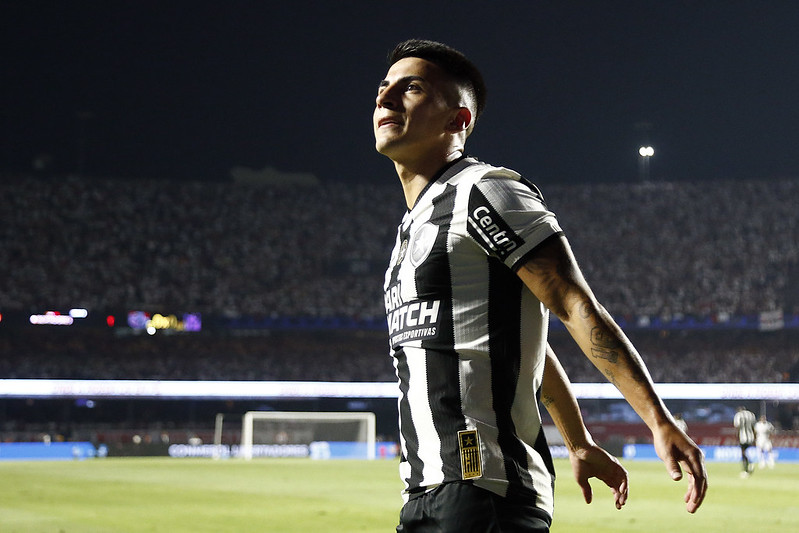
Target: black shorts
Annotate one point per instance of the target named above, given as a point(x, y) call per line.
point(460, 507)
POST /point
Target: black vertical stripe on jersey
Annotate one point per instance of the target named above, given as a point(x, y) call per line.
point(434, 281)
point(504, 317)
point(401, 236)
point(408, 430)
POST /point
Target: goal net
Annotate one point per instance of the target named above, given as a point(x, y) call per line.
point(326, 435)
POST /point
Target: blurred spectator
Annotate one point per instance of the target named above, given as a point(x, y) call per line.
point(361, 355)
point(320, 251)
point(667, 250)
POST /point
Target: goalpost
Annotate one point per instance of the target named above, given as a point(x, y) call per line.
point(324, 433)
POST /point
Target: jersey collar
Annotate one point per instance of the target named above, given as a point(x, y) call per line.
point(440, 175)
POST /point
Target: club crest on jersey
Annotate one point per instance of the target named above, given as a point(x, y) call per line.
point(471, 460)
point(423, 241)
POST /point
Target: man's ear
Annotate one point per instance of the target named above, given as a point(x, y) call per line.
point(460, 121)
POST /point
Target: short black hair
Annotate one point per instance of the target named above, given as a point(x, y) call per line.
point(451, 61)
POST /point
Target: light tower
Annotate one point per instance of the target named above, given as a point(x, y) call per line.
point(645, 153)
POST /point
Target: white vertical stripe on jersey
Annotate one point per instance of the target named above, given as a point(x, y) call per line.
point(528, 420)
point(429, 442)
point(472, 343)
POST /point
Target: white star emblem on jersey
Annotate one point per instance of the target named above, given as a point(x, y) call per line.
point(423, 241)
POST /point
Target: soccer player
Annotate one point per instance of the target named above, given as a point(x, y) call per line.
point(763, 432)
point(479, 263)
point(744, 422)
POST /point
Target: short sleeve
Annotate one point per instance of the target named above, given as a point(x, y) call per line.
point(508, 217)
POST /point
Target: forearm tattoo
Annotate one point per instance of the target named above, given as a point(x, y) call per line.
point(604, 346)
point(611, 377)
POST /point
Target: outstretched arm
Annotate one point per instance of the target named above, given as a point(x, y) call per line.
point(553, 276)
point(587, 459)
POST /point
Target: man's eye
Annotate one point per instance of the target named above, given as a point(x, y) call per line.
point(413, 87)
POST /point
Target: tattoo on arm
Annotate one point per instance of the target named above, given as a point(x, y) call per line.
point(547, 400)
point(604, 346)
point(611, 377)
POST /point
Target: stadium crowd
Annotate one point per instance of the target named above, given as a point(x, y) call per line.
point(647, 249)
point(717, 248)
point(297, 355)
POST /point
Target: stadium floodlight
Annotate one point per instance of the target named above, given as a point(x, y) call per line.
point(646, 152)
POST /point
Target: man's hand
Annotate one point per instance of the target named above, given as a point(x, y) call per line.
point(593, 461)
point(681, 454)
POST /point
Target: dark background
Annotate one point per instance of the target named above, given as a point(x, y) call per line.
point(188, 90)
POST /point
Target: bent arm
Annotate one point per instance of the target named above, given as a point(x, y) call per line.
point(560, 402)
point(587, 459)
point(552, 274)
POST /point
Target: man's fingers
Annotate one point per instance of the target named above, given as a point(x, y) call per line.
point(697, 488)
point(697, 480)
point(697, 485)
point(693, 498)
point(588, 494)
point(622, 495)
point(674, 469)
point(681, 455)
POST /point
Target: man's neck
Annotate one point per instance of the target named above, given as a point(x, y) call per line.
point(414, 178)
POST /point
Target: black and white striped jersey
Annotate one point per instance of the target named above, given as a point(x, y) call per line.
point(744, 421)
point(467, 337)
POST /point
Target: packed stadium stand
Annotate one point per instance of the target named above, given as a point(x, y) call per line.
point(288, 279)
point(246, 256)
point(717, 247)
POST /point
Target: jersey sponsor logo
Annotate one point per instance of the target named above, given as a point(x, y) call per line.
point(488, 228)
point(410, 321)
point(471, 461)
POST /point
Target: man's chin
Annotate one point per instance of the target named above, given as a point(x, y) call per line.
point(384, 147)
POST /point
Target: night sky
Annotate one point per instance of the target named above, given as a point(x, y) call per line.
point(188, 90)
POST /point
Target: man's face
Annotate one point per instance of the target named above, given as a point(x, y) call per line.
point(411, 111)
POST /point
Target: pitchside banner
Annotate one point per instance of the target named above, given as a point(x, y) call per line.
point(63, 451)
point(315, 450)
point(53, 451)
point(724, 454)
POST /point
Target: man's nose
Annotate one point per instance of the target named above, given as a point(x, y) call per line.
point(386, 98)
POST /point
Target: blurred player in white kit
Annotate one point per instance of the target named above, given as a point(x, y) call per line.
point(763, 432)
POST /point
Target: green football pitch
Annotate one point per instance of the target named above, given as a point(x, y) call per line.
point(116, 495)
